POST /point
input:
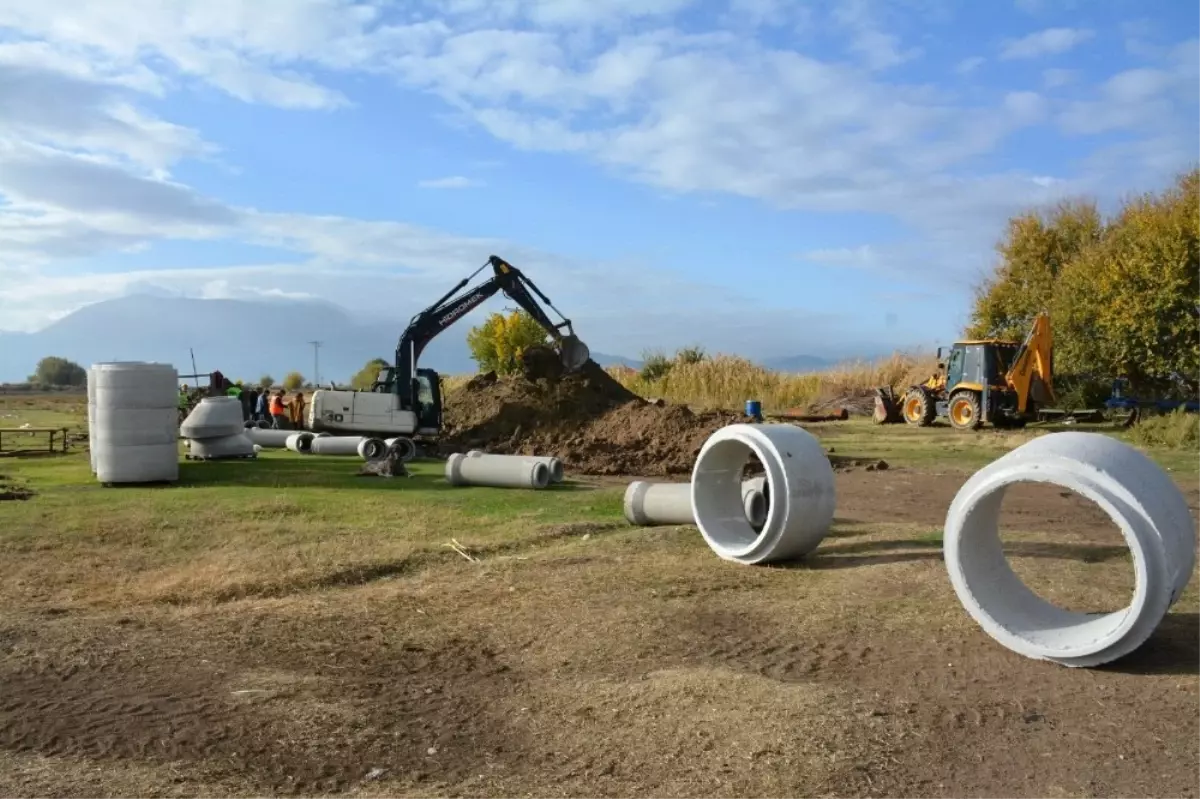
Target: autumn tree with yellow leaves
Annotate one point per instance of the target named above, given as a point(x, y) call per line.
point(499, 342)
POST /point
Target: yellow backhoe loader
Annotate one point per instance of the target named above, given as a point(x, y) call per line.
point(1001, 382)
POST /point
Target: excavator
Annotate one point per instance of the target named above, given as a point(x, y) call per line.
point(406, 401)
point(981, 381)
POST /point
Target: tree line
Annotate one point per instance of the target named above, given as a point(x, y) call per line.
point(1123, 292)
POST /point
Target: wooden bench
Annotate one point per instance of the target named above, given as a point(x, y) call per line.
point(54, 434)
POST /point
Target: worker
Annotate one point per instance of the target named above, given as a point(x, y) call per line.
point(278, 413)
point(251, 398)
point(261, 406)
point(296, 410)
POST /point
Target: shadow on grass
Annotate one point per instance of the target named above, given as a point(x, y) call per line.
point(1173, 648)
point(874, 553)
point(315, 472)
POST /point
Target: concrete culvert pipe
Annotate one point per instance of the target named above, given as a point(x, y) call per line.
point(300, 442)
point(557, 472)
point(754, 501)
point(406, 447)
point(269, 439)
point(496, 472)
point(361, 446)
point(659, 503)
point(1137, 495)
point(801, 486)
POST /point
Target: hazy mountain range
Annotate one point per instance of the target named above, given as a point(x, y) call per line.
point(245, 339)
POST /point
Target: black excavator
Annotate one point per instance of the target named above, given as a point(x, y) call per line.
point(406, 400)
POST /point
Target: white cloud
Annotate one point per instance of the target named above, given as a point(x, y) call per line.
point(969, 65)
point(1057, 78)
point(625, 85)
point(452, 182)
point(1052, 41)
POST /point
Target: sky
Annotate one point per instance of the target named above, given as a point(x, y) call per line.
point(753, 176)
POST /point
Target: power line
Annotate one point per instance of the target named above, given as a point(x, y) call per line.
point(316, 345)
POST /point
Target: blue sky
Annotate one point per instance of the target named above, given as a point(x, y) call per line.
point(755, 176)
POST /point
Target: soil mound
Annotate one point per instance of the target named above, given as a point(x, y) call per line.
point(587, 419)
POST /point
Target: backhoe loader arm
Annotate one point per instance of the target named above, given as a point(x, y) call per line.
point(1032, 373)
point(426, 325)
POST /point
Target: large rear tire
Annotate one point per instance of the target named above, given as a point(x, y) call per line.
point(919, 408)
point(964, 410)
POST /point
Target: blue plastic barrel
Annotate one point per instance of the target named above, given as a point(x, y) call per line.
point(754, 410)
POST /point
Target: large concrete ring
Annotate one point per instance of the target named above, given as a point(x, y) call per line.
point(1137, 495)
point(801, 490)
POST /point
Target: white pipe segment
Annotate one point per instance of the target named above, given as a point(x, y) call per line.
point(671, 503)
point(363, 446)
point(371, 449)
point(552, 463)
point(496, 472)
point(802, 494)
point(300, 442)
point(408, 448)
point(659, 503)
point(269, 439)
point(1137, 495)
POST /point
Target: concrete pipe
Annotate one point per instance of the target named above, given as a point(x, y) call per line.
point(802, 494)
point(552, 463)
point(349, 445)
point(299, 442)
point(659, 503)
point(263, 424)
point(269, 439)
point(496, 472)
point(1137, 495)
point(406, 447)
point(671, 503)
point(754, 501)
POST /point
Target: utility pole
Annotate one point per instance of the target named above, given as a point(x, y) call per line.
point(316, 345)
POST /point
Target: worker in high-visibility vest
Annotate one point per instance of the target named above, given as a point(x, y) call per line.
point(278, 412)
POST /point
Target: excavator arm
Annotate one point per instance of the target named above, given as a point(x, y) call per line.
point(1031, 375)
point(456, 303)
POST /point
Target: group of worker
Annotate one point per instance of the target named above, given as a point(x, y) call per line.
point(259, 404)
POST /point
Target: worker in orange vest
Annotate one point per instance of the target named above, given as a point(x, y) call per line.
point(278, 412)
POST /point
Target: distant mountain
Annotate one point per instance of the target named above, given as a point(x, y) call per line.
point(798, 363)
point(241, 338)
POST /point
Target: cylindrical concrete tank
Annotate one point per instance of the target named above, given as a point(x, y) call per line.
point(496, 472)
point(91, 395)
point(133, 436)
point(552, 463)
point(223, 448)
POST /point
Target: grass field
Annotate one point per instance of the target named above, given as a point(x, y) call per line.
point(282, 627)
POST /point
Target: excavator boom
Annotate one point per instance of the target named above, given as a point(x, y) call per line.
point(1031, 375)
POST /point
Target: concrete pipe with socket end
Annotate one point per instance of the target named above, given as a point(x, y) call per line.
point(552, 463)
point(799, 478)
point(651, 504)
point(299, 442)
point(496, 472)
point(1137, 495)
point(368, 449)
point(405, 446)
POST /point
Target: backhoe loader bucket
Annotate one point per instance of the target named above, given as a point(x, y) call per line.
point(574, 353)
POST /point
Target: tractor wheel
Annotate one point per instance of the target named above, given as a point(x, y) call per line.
point(919, 407)
point(964, 411)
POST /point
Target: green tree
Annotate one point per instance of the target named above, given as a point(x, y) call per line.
point(1037, 246)
point(365, 377)
point(55, 371)
point(499, 342)
point(266, 381)
point(292, 381)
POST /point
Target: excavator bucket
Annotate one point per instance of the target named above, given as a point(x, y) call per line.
point(574, 353)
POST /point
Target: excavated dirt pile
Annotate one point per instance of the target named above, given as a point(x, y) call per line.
point(587, 419)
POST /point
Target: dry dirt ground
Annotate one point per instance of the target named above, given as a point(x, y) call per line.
point(614, 662)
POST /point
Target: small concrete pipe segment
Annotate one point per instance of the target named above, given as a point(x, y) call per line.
point(368, 449)
point(801, 486)
point(651, 504)
point(269, 439)
point(1137, 495)
point(462, 470)
point(552, 463)
point(300, 442)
